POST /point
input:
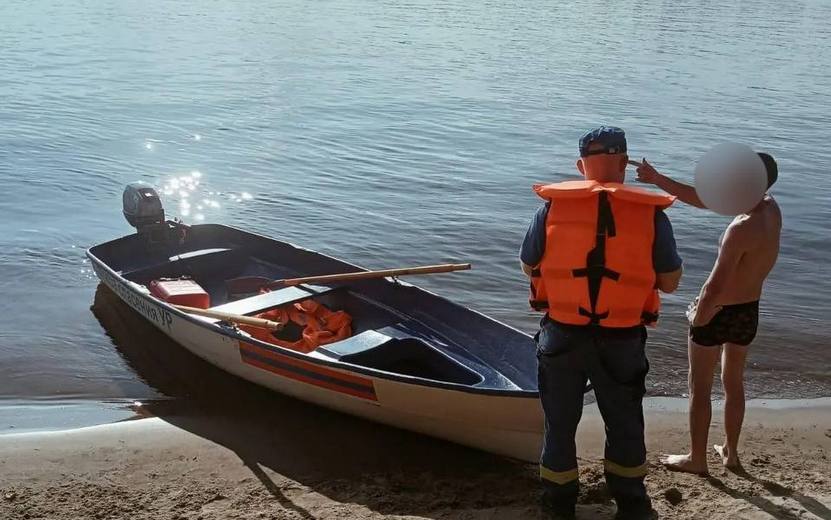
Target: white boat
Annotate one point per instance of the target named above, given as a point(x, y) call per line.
point(413, 360)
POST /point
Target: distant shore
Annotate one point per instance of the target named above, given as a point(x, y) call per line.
point(301, 462)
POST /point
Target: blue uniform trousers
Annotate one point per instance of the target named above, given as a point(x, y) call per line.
point(615, 362)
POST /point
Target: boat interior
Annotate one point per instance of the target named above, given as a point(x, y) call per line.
point(396, 328)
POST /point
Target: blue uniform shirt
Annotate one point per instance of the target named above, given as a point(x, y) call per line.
point(665, 257)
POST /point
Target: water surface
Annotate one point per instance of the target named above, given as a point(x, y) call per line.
point(393, 134)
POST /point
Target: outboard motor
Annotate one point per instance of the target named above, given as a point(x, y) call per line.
point(142, 206)
point(143, 209)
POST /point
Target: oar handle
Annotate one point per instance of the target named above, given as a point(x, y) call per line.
point(362, 275)
point(235, 318)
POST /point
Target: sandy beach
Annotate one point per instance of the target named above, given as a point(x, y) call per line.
point(223, 448)
point(292, 462)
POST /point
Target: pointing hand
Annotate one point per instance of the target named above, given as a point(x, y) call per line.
point(647, 173)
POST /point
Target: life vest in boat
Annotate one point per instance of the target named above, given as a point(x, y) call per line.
point(597, 265)
point(319, 325)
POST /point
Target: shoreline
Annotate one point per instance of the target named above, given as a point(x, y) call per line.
point(23, 416)
point(295, 461)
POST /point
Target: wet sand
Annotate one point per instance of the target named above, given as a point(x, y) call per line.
point(292, 462)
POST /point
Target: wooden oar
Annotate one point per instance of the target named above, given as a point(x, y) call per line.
point(362, 275)
point(234, 318)
point(248, 284)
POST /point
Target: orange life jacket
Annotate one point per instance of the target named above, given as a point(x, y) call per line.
point(320, 325)
point(597, 265)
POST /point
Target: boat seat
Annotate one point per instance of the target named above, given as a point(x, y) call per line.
point(360, 342)
point(409, 356)
point(271, 300)
point(216, 254)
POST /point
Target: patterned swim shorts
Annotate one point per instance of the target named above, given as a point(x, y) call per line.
point(735, 324)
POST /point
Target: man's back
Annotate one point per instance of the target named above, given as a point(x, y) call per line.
point(757, 236)
point(595, 253)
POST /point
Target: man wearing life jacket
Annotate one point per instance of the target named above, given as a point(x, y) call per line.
point(597, 253)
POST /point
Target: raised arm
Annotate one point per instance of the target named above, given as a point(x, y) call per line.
point(648, 174)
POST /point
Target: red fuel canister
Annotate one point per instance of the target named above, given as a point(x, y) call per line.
point(180, 291)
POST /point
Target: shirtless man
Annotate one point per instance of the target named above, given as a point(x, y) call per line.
point(724, 317)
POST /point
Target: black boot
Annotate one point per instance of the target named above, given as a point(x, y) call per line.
point(637, 511)
point(556, 509)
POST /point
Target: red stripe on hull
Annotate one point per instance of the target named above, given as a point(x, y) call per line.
point(309, 373)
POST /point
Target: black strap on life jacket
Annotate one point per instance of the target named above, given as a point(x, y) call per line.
point(595, 269)
point(649, 317)
point(536, 303)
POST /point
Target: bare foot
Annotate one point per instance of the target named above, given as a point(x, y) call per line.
point(730, 460)
point(684, 463)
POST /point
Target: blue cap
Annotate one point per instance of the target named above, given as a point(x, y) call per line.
point(612, 138)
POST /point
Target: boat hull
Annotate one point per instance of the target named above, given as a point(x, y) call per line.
point(505, 423)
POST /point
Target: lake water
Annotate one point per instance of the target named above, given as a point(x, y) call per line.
point(393, 133)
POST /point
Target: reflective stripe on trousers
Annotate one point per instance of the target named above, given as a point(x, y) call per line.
point(614, 468)
point(558, 477)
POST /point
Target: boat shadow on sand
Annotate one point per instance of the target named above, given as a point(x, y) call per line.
point(398, 472)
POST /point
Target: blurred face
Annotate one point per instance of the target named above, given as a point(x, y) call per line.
point(603, 167)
